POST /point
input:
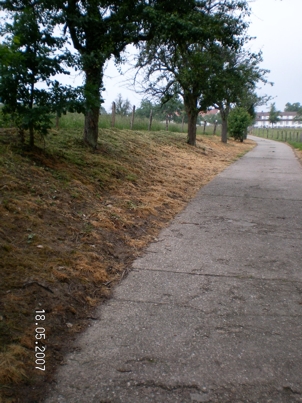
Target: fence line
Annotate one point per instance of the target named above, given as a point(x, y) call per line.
point(276, 134)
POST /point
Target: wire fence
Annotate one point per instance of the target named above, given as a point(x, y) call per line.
point(292, 135)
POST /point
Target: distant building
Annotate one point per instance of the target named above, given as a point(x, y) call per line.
point(211, 112)
point(286, 120)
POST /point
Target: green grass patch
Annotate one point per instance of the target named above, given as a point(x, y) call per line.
point(75, 122)
point(296, 145)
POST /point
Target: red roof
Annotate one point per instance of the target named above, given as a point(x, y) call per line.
point(210, 112)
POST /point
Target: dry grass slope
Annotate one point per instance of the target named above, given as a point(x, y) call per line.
point(72, 221)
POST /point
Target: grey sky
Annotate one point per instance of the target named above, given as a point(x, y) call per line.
point(277, 26)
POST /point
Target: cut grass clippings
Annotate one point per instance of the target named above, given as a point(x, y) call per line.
point(72, 222)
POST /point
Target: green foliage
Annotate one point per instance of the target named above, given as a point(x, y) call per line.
point(296, 145)
point(238, 121)
point(122, 107)
point(295, 107)
point(171, 109)
point(197, 53)
point(212, 119)
point(66, 98)
point(98, 30)
point(145, 108)
point(30, 56)
point(273, 114)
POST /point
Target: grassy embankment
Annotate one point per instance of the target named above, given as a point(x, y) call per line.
point(73, 220)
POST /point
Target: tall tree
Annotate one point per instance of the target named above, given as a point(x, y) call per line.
point(122, 107)
point(295, 107)
point(99, 30)
point(185, 52)
point(234, 83)
point(273, 114)
point(31, 57)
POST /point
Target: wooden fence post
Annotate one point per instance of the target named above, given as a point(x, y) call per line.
point(132, 117)
point(150, 120)
point(113, 115)
point(215, 126)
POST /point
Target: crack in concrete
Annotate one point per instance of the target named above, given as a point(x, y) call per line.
point(237, 277)
point(170, 388)
point(250, 197)
point(201, 310)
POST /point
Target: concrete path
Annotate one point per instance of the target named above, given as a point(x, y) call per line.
point(213, 311)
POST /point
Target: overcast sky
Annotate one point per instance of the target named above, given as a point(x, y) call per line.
point(277, 26)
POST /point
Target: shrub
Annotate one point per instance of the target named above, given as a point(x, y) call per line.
point(238, 122)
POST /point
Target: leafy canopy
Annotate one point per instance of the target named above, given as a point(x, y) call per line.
point(31, 55)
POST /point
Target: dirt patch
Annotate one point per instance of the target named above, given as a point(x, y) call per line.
point(72, 221)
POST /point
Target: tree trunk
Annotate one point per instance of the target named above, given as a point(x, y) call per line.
point(192, 120)
point(92, 98)
point(224, 113)
point(31, 105)
point(91, 127)
point(224, 130)
point(150, 120)
point(190, 101)
point(215, 127)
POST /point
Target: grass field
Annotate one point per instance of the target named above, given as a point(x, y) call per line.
point(73, 220)
point(294, 135)
point(74, 120)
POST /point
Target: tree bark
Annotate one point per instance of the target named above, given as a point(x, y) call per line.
point(91, 127)
point(190, 101)
point(150, 120)
point(192, 120)
point(224, 130)
point(92, 95)
point(31, 105)
point(224, 113)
